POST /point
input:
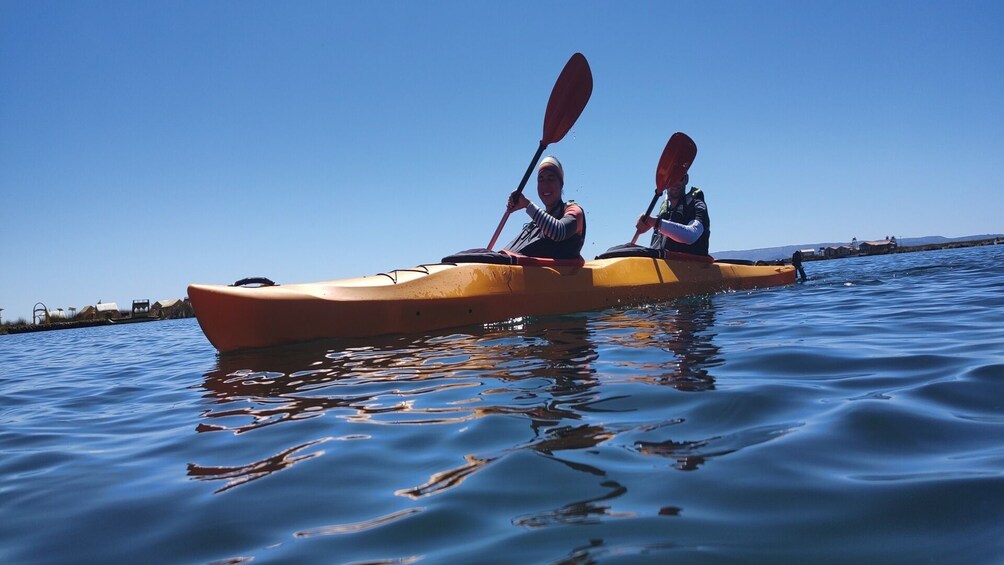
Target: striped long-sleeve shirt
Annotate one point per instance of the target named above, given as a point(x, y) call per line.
point(558, 229)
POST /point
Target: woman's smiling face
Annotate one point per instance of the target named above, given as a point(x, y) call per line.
point(549, 187)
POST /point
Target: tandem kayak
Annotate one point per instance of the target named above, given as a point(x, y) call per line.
point(445, 295)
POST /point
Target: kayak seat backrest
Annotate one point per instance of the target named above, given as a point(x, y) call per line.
point(736, 261)
point(480, 255)
point(630, 250)
point(509, 258)
point(633, 250)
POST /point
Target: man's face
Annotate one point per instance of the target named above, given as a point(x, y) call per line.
point(676, 190)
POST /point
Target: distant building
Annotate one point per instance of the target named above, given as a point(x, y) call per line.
point(57, 314)
point(833, 252)
point(172, 308)
point(105, 311)
point(877, 247)
point(140, 308)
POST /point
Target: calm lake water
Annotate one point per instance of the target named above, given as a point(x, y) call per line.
point(856, 417)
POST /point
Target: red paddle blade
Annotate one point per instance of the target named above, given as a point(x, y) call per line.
point(676, 159)
point(568, 99)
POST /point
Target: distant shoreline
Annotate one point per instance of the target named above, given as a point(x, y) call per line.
point(120, 318)
point(914, 248)
point(71, 324)
point(839, 250)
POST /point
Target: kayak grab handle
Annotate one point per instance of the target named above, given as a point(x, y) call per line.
point(260, 281)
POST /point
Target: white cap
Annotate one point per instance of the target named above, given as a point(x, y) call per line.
point(552, 162)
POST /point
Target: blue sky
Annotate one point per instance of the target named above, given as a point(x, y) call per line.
point(148, 145)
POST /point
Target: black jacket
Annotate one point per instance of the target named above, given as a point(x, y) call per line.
point(533, 243)
point(688, 210)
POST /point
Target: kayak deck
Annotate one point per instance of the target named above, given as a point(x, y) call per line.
point(443, 295)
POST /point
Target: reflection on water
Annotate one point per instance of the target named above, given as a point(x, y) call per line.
point(559, 374)
point(684, 328)
point(239, 475)
point(450, 478)
point(547, 371)
point(583, 512)
point(691, 454)
point(372, 381)
point(359, 526)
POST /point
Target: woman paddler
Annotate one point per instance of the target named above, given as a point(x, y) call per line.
point(557, 230)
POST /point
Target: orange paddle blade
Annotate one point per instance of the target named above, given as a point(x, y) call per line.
point(568, 98)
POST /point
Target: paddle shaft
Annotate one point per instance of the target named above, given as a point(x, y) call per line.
point(648, 212)
point(522, 185)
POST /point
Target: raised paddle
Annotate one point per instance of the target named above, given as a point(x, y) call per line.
point(568, 99)
point(675, 161)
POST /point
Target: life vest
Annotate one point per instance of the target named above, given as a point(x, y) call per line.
point(533, 243)
point(684, 213)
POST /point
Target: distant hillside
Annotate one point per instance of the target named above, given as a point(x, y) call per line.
point(784, 252)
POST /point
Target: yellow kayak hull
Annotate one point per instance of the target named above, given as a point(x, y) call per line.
point(445, 295)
